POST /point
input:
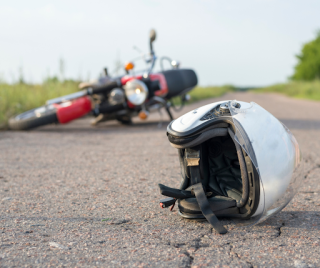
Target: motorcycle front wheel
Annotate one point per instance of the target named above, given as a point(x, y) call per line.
point(34, 118)
point(124, 120)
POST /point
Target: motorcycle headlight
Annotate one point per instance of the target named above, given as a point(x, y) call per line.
point(136, 91)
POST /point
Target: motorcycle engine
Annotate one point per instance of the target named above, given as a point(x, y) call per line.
point(116, 96)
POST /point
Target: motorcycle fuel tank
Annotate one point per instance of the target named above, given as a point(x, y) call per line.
point(71, 110)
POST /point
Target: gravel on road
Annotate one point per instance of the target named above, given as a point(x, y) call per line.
point(80, 196)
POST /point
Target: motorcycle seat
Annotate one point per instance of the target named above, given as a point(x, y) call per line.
point(179, 81)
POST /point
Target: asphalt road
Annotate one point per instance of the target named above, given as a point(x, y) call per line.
point(80, 196)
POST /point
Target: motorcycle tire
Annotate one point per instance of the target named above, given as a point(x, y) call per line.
point(34, 118)
point(124, 120)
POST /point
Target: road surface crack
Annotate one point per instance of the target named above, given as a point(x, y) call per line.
point(238, 256)
point(188, 247)
point(311, 170)
point(188, 264)
point(279, 230)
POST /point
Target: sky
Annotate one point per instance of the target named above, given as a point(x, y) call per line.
point(244, 43)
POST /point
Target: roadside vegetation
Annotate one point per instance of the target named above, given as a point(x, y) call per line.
point(21, 97)
point(305, 81)
point(308, 66)
point(200, 93)
point(296, 89)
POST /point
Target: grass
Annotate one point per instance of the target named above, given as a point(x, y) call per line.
point(201, 93)
point(18, 98)
point(296, 89)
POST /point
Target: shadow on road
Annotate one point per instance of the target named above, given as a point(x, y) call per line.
point(292, 219)
point(108, 127)
point(82, 126)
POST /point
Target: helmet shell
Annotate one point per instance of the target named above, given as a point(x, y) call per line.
point(270, 145)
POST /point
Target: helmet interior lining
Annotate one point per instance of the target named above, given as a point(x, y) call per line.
point(223, 172)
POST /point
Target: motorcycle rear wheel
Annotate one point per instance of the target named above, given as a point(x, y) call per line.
point(34, 118)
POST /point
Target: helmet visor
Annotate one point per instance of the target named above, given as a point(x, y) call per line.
point(274, 152)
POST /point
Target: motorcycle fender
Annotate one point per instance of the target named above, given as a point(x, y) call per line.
point(71, 110)
point(163, 84)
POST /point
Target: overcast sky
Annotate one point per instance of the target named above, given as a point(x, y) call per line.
point(245, 43)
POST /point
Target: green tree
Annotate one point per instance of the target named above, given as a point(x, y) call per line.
point(308, 67)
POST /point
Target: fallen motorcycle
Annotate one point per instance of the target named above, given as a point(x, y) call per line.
point(116, 98)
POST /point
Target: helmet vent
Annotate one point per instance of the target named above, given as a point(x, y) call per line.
point(220, 110)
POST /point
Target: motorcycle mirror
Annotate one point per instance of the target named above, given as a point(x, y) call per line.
point(175, 64)
point(152, 35)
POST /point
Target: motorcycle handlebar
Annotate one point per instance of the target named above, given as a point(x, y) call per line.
point(151, 48)
point(103, 89)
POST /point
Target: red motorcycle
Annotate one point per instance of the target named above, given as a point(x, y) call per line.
point(119, 98)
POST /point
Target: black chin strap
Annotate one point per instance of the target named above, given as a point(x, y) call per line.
point(206, 210)
point(193, 161)
point(195, 175)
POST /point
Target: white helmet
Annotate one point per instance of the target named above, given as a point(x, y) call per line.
point(237, 161)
